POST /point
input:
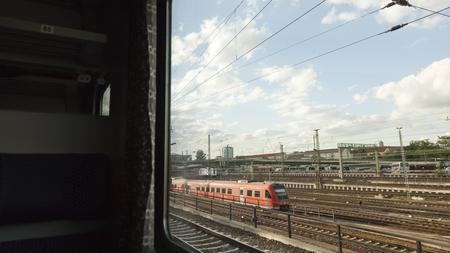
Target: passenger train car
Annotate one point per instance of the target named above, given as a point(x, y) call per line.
point(265, 195)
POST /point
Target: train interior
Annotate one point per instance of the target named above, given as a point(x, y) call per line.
point(64, 83)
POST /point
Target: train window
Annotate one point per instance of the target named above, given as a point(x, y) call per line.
point(207, 189)
point(311, 95)
point(105, 102)
point(198, 188)
point(203, 189)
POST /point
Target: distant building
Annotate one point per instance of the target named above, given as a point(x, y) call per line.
point(227, 153)
point(180, 158)
point(270, 156)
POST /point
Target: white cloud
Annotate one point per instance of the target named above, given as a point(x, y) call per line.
point(360, 98)
point(290, 99)
point(427, 90)
point(333, 17)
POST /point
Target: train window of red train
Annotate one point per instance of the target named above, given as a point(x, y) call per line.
point(218, 190)
point(257, 193)
point(229, 191)
point(268, 195)
point(223, 190)
point(249, 193)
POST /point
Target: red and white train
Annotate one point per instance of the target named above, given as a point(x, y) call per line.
point(266, 195)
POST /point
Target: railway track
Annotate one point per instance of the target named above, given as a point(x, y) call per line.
point(417, 205)
point(204, 239)
point(352, 238)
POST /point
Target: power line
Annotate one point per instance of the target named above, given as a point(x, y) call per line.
point(215, 32)
point(425, 9)
point(301, 41)
point(254, 47)
point(227, 44)
point(392, 29)
point(408, 4)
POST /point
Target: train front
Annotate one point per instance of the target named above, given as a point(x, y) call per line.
point(280, 198)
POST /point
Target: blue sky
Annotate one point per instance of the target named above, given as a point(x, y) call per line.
point(359, 94)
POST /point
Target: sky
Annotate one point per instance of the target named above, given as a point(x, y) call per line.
point(359, 94)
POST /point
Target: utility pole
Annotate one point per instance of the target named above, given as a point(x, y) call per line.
point(377, 164)
point(341, 163)
point(209, 156)
point(282, 157)
point(404, 167)
point(317, 148)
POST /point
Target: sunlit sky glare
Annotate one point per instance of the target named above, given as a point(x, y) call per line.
point(359, 94)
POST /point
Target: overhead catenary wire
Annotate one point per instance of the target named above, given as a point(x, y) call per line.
point(392, 29)
point(221, 71)
point(228, 43)
point(408, 4)
point(254, 47)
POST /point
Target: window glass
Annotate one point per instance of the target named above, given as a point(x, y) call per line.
point(322, 103)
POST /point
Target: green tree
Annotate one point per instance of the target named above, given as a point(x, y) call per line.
point(443, 141)
point(421, 145)
point(200, 155)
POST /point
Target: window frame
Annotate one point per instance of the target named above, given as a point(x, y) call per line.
point(162, 240)
point(249, 192)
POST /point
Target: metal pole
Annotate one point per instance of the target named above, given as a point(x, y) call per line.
point(418, 246)
point(289, 226)
point(255, 220)
point(404, 167)
point(230, 212)
point(282, 157)
point(341, 164)
point(211, 209)
point(377, 164)
point(209, 156)
point(196, 203)
point(338, 232)
point(317, 147)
